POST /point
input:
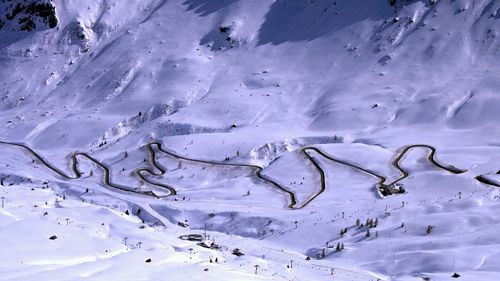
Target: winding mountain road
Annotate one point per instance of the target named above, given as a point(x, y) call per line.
point(384, 187)
point(113, 189)
point(77, 174)
point(484, 180)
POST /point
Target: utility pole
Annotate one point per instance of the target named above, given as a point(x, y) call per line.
point(256, 268)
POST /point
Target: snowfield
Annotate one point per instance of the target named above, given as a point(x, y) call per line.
point(250, 140)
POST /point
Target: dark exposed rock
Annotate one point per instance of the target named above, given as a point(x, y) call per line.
point(27, 24)
point(385, 60)
point(28, 15)
point(220, 39)
point(398, 4)
point(224, 29)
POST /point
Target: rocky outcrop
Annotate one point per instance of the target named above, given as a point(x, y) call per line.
point(27, 15)
point(401, 3)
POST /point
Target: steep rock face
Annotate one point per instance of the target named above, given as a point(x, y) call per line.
point(27, 15)
point(76, 33)
point(400, 3)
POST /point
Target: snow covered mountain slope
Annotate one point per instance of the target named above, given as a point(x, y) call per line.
point(166, 57)
point(253, 82)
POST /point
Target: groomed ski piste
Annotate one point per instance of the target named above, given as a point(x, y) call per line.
point(249, 140)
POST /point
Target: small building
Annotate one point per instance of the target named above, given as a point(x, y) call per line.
point(390, 189)
point(184, 223)
point(207, 243)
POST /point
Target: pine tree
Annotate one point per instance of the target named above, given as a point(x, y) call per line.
point(429, 229)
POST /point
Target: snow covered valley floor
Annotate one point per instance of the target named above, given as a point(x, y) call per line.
point(250, 140)
point(429, 231)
